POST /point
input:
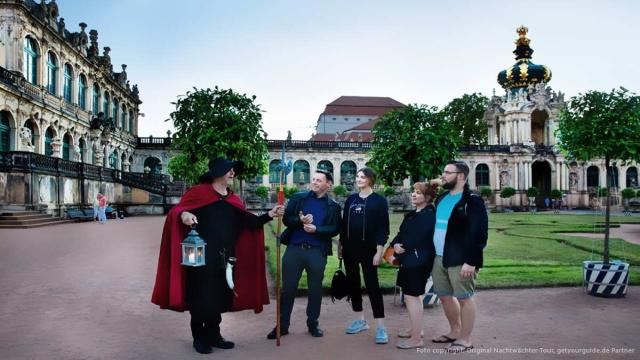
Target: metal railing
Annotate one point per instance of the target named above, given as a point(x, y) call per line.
point(43, 164)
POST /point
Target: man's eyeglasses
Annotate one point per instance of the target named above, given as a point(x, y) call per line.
point(450, 172)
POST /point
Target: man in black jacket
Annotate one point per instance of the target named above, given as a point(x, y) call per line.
point(312, 219)
point(459, 238)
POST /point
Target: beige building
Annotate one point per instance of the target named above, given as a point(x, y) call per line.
point(58, 95)
point(521, 152)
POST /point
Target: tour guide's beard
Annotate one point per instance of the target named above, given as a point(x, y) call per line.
point(450, 184)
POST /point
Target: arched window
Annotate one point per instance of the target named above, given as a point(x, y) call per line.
point(123, 119)
point(593, 176)
point(68, 83)
point(48, 138)
point(613, 177)
point(83, 145)
point(96, 99)
point(5, 131)
point(66, 147)
point(52, 72)
point(113, 160)
point(348, 173)
point(30, 60)
point(482, 175)
point(326, 165)
point(131, 124)
point(274, 173)
point(82, 92)
point(632, 177)
point(301, 172)
point(105, 104)
point(115, 112)
point(153, 163)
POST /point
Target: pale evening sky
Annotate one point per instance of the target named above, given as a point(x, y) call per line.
point(297, 56)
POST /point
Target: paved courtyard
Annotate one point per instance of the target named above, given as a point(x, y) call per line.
point(82, 291)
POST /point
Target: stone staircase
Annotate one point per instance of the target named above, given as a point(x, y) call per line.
point(28, 219)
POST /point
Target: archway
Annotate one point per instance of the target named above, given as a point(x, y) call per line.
point(538, 121)
point(154, 165)
point(541, 179)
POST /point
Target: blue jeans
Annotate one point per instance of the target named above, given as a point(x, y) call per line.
point(102, 216)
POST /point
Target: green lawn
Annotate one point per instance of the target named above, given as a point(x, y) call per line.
point(524, 250)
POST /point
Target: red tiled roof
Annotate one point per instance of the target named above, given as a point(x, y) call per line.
point(361, 105)
point(368, 126)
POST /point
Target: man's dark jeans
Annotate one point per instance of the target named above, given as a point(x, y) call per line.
point(296, 259)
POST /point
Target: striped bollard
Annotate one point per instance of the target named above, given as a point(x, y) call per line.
point(606, 280)
point(430, 297)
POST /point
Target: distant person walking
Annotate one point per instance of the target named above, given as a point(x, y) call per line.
point(102, 208)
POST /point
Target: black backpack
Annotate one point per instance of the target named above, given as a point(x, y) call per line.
point(339, 284)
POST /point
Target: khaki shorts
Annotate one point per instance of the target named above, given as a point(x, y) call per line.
point(448, 282)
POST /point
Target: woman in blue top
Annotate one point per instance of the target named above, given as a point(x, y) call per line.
point(364, 232)
point(413, 246)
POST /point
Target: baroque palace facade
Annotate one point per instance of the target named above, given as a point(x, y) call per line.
point(59, 96)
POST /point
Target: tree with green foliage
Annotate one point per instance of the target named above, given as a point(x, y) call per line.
point(340, 190)
point(262, 192)
point(556, 194)
point(289, 191)
point(601, 125)
point(218, 122)
point(486, 192)
point(627, 194)
point(414, 141)
point(466, 114)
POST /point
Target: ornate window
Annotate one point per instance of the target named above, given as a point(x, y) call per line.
point(105, 104)
point(326, 165)
point(301, 174)
point(115, 111)
point(593, 176)
point(48, 138)
point(123, 119)
point(348, 174)
point(82, 92)
point(632, 177)
point(30, 60)
point(66, 149)
point(5, 131)
point(52, 72)
point(67, 90)
point(96, 100)
point(274, 174)
point(482, 175)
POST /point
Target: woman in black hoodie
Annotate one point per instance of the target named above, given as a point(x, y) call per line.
point(413, 246)
point(364, 232)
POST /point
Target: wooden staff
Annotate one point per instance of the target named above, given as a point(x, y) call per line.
point(278, 233)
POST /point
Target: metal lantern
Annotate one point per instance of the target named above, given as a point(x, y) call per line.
point(193, 249)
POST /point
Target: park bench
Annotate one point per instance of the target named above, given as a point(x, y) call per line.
point(77, 214)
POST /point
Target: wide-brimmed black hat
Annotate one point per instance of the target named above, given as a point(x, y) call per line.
point(220, 166)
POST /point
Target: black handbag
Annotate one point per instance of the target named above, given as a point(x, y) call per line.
point(339, 284)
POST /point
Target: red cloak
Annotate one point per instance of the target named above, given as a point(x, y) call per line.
point(249, 272)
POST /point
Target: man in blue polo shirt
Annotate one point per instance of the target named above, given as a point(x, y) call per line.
point(312, 219)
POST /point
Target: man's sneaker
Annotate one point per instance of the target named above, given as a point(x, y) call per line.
point(272, 334)
point(357, 326)
point(316, 332)
point(381, 336)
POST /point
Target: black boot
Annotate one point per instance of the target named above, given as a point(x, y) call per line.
point(221, 343)
point(201, 347)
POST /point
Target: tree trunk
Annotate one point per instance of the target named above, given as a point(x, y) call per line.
point(607, 215)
